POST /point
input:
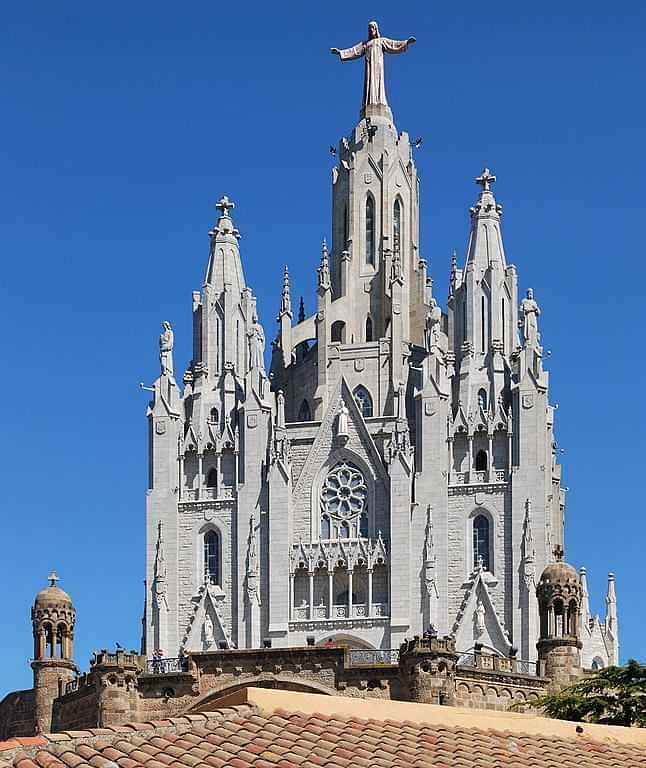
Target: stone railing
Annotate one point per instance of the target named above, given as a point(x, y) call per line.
point(492, 663)
point(372, 658)
point(339, 612)
point(479, 477)
point(170, 666)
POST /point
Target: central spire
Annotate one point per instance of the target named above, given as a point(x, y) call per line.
point(374, 84)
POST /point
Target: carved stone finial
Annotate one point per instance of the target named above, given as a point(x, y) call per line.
point(485, 180)
point(53, 578)
point(225, 205)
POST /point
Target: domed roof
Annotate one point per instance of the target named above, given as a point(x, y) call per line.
point(52, 595)
point(559, 572)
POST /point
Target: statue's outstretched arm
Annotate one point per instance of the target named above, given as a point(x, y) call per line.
point(396, 46)
point(347, 54)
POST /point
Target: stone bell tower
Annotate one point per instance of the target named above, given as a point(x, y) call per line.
point(53, 618)
point(559, 604)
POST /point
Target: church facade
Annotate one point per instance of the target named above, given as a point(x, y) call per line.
point(396, 468)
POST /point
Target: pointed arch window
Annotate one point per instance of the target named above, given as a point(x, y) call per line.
point(211, 557)
point(214, 416)
point(370, 230)
point(212, 478)
point(364, 401)
point(481, 542)
point(368, 328)
point(481, 461)
point(482, 399)
point(304, 412)
point(397, 226)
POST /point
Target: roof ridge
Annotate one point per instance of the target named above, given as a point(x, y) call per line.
point(20, 747)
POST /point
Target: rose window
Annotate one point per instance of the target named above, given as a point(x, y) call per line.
point(343, 503)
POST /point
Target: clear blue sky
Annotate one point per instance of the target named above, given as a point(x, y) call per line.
point(122, 123)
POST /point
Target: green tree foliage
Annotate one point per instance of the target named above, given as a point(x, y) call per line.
point(612, 696)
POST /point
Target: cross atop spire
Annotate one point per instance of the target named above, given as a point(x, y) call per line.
point(53, 578)
point(225, 205)
point(486, 179)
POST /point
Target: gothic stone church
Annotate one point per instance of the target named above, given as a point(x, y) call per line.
point(393, 475)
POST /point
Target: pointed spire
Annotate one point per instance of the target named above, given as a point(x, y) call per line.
point(301, 310)
point(324, 268)
point(225, 266)
point(286, 298)
point(611, 605)
point(585, 598)
point(485, 245)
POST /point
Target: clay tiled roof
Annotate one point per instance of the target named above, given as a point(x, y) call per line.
point(264, 734)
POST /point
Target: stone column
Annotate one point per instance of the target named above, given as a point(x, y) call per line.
point(369, 591)
point(330, 594)
point(490, 456)
point(311, 601)
point(291, 596)
point(450, 442)
point(470, 456)
point(349, 594)
point(200, 462)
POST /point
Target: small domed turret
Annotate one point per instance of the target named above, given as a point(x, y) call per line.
point(53, 618)
point(559, 602)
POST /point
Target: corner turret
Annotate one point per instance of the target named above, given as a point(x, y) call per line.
point(53, 618)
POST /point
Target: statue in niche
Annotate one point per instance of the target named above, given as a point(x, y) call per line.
point(256, 345)
point(342, 422)
point(433, 326)
point(166, 340)
point(373, 49)
point(208, 632)
point(480, 618)
point(529, 312)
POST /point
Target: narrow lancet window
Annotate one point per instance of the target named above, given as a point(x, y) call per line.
point(481, 542)
point(368, 329)
point(482, 399)
point(211, 557)
point(304, 413)
point(481, 461)
point(370, 230)
point(397, 227)
point(482, 325)
point(364, 401)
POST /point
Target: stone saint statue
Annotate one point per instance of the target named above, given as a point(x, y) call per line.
point(530, 311)
point(373, 49)
point(166, 340)
point(480, 617)
point(433, 325)
point(256, 345)
point(208, 631)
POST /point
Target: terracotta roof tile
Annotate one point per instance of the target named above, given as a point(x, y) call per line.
point(246, 737)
